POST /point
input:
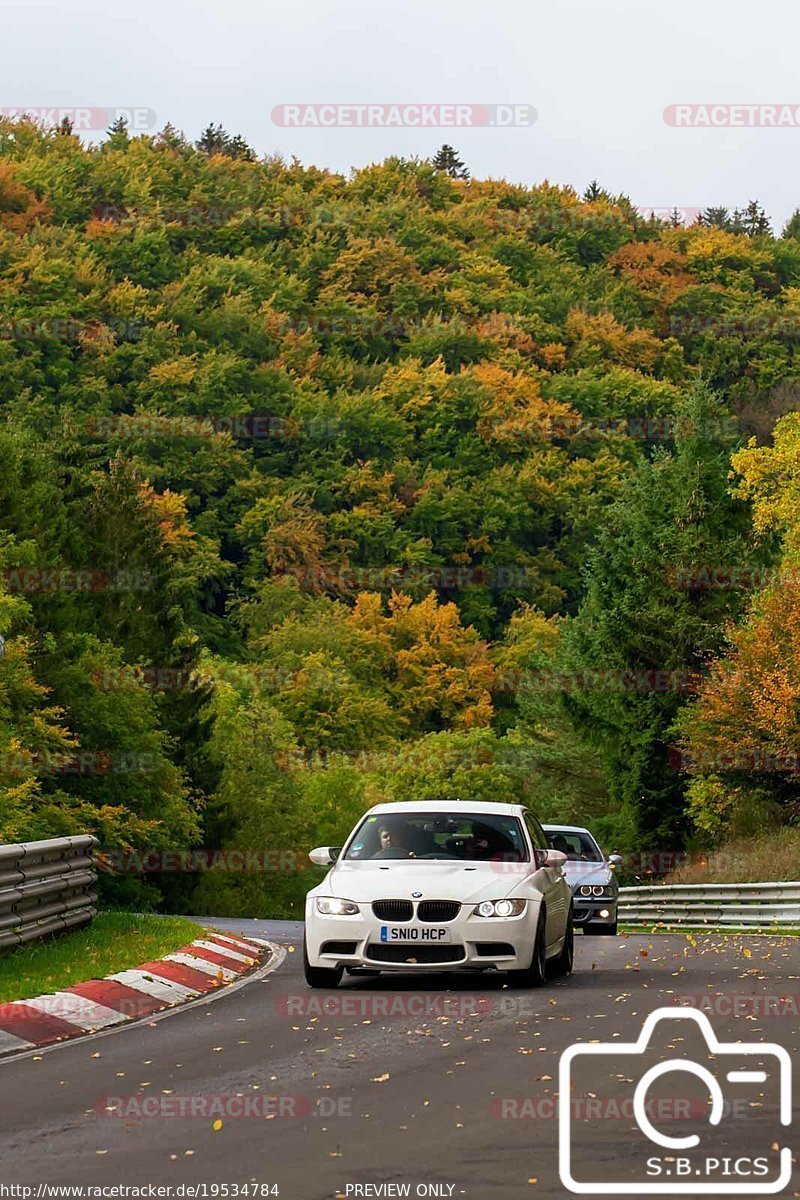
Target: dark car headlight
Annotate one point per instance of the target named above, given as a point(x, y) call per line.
point(596, 891)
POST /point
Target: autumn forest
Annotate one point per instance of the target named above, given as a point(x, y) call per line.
point(322, 490)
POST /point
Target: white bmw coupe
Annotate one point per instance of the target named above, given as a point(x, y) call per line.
point(440, 886)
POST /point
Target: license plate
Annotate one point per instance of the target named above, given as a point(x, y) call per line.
point(416, 934)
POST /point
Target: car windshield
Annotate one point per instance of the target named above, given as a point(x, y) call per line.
point(578, 847)
point(470, 837)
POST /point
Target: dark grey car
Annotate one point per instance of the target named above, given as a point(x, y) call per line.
point(590, 874)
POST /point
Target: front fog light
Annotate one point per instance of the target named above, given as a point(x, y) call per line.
point(604, 913)
point(332, 906)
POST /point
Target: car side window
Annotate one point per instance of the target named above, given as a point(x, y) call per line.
point(538, 837)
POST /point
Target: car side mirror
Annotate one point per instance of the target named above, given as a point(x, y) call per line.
point(614, 860)
point(550, 858)
point(325, 856)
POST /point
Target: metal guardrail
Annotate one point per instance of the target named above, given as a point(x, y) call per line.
point(46, 887)
point(728, 905)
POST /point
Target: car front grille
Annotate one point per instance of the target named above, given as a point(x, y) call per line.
point(438, 910)
point(393, 910)
point(415, 955)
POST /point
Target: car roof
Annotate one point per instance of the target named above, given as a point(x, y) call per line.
point(567, 829)
point(448, 806)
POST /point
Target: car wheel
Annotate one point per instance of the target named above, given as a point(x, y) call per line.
point(320, 977)
point(601, 930)
point(536, 973)
point(563, 964)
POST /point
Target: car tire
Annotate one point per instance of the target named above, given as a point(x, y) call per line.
point(536, 973)
point(321, 977)
point(601, 930)
point(563, 964)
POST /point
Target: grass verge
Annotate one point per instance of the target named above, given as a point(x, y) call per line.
point(771, 858)
point(113, 942)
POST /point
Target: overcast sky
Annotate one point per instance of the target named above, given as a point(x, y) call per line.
point(599, 73)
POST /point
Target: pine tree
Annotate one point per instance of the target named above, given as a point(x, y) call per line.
point(594, 192)
point(117, 134)
point(716, 216)
point(172, 138)
point(446, 159)
point(792, 227)
point(212, 140)
point(754, 220)
point(650, 618)
point(237, 147)
point(216, 140)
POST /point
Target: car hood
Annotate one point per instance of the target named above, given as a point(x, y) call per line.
point(587, 872)
point(400, 880)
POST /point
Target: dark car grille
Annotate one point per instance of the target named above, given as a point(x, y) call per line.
point(438, 910)
point(393, 910)
point(415, 954)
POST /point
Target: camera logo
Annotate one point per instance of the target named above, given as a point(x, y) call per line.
point(717, 1095)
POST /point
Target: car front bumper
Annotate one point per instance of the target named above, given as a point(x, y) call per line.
point(589, 910)
point(475, 943)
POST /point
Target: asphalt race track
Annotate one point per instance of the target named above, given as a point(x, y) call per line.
point(439, 1080)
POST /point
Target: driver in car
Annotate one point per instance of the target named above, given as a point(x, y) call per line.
point(393, 842)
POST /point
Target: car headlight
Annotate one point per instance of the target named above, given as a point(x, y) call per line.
point(500, 908)
point(332, 906)
point(596, 890)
